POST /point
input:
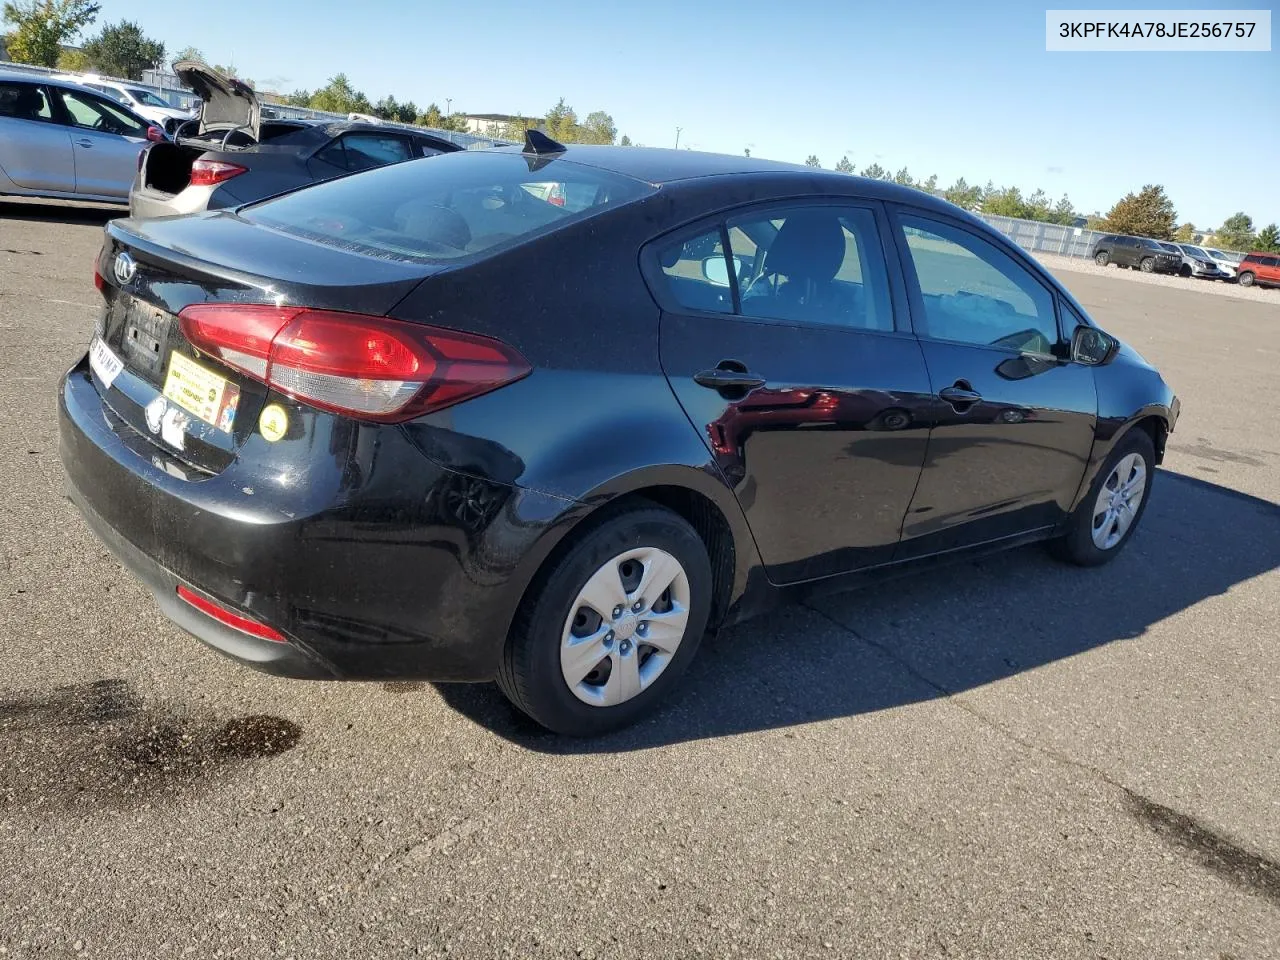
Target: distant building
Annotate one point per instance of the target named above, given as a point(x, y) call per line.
point(489, 124)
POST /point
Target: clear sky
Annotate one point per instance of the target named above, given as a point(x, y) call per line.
point(956, 89)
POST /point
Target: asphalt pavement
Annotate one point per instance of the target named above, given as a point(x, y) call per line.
point(1011, 758)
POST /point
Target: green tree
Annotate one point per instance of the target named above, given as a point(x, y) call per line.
point(562, 123)
point(1063, 212)
point(430, 117)
point(1236, 233)
point(599, 128)
point(339, 96)
point(299, 98)
point(930, 185)
point(844, 166)
point(813, 161)
point(123, 50)
point(876, 172)
point(1006, 202)
point(387, 108)
point(188, 53)
point(1268, 239)
point(1147, 213)
point(904, 178)
point(746, 151)
point(963, 195)
point(41, 27)
point(73, 61)
point(625, 141)
point(1185, 233)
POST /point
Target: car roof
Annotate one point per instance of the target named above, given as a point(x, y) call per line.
point(659, 166)
point(337, 127)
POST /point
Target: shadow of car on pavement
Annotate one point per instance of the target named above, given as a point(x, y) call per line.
point(938, 633)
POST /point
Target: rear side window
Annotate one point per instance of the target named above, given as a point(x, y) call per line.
point(445, 208)
point(24, 101)
point(697, 273)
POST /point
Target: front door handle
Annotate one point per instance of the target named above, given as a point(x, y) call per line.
point(85, 142)
point(727, 379)
point(959, 395)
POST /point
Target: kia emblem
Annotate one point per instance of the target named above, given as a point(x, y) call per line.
point(124, 268)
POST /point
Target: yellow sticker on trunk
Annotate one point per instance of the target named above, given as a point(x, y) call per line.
point(274, 422)
point(201, 392)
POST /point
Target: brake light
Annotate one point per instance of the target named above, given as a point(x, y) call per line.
point(99, 280)
point(372, 368)
point(230, 618)
point(556, 195)
point(208, 173)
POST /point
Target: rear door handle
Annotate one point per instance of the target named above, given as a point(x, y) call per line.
point(722, 379)
point(959, 394)
point(85, 143)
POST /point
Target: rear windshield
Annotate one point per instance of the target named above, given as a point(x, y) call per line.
point(447, 207)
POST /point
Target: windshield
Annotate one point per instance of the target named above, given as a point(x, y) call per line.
point(149, 98)
point(1196, 252)
point(1168, 247)
point(447, 207)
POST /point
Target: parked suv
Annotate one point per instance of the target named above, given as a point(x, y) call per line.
point(1139, 252)
point(1260, 268)
point(1197, 263)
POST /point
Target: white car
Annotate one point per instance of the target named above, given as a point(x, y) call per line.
point(1228, 263)
point(137, 98)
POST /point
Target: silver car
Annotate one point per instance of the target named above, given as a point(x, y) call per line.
point(1195, 262)
point(59, 139)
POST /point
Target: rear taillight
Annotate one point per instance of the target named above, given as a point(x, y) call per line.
point(208, 173)
point(556, 195)
point(225, 615)
point(372, 368)
point(98, 280)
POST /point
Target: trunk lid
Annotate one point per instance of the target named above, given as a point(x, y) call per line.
point(226, 102)
point(190, 405)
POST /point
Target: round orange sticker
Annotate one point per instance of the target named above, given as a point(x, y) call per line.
point(274, 422)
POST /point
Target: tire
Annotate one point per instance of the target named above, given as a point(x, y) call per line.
point(1184, 271)
point(1245, 279)
point(1147, 265)
point(1079, 545)
point(1102, 258)
point(553, 619)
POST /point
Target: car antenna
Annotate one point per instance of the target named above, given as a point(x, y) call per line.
point(539, 144)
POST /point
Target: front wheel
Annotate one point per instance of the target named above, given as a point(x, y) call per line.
point(1184, 271)
point(1147, 265)
point(1246, 279)
point(1110, 513)
point(611, 625)
point(1102, 258)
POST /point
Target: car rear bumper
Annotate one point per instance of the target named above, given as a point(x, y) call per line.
point(146, 204)
point(379, 566)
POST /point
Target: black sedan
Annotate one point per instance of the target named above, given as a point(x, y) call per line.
point(231, 154)
point(547, 415)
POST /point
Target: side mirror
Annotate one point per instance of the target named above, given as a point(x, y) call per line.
point(156, 135)
point(716, 270)
point(1092, 347)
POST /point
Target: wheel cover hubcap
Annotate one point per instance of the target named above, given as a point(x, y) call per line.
point(625, 626)
point(1118, 501)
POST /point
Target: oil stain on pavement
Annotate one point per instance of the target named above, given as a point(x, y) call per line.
point(1250, 871)
point(99, 745)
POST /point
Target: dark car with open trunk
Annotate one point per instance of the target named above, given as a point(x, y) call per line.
point(424, 422)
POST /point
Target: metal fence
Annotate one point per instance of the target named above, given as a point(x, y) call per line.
point(1045, 237)
point(183, 99)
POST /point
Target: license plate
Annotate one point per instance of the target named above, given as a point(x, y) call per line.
point(104, 362)
point(201, 392)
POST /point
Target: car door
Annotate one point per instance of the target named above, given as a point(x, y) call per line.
point(35, 151)
point(801, 381)
point(106, 141)
point(360, 151)
point(1126, 250)
point(1013, 424)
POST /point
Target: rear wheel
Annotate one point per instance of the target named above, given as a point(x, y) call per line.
point(1102, 258)
point(1246, 279)
point(611, 625)
point(1148, 264)
point(1110, 513)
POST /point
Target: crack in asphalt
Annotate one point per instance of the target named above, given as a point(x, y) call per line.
point(1246, 869)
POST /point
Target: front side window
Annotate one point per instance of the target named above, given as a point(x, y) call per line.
point(24, 101)
point(94, 113)
point(975, 293)
point(820, 265)
point(445, 208)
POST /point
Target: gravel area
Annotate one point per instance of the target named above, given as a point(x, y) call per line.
point(1215, 287)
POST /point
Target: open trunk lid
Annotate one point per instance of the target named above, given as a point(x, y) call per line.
point(227, 102)
point(194, 408)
